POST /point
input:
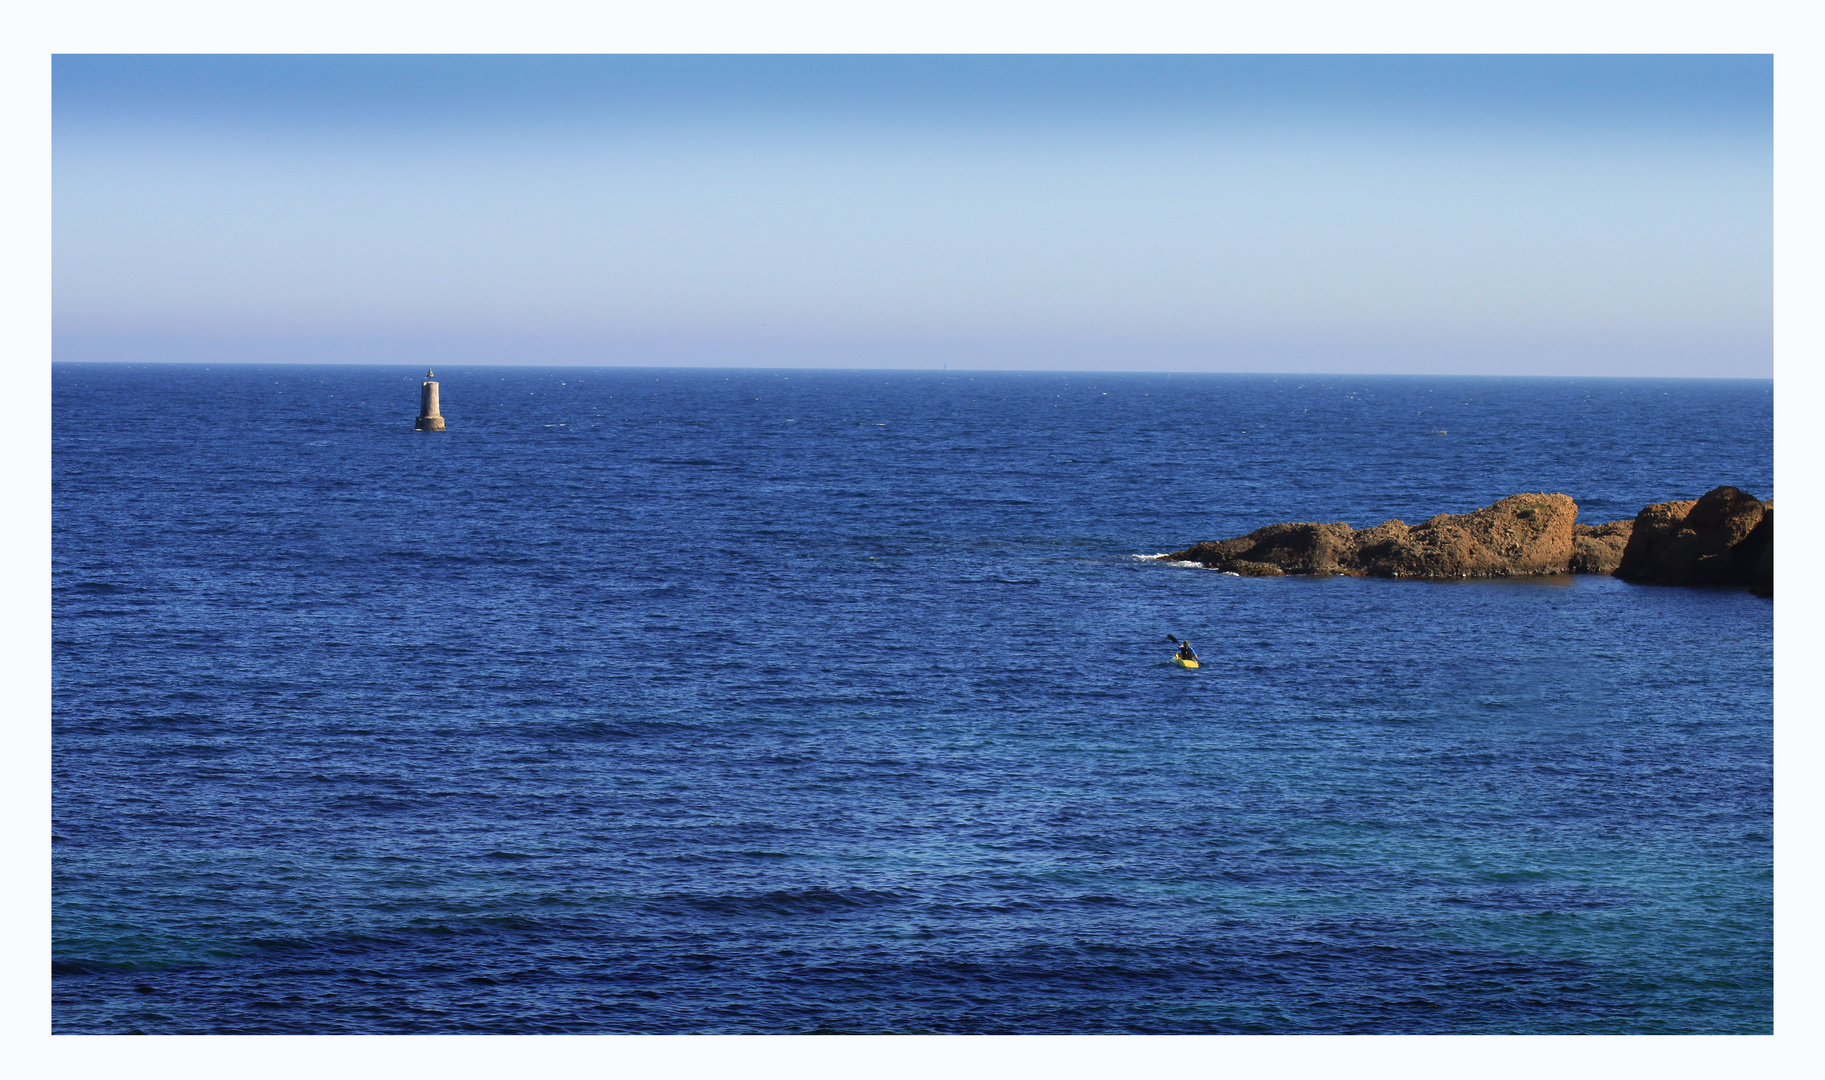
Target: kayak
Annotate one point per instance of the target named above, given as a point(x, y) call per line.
point(1182, 662)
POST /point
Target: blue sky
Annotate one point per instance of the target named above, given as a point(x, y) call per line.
point(1476, 215)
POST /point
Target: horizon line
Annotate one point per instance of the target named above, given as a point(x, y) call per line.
point(912, 370)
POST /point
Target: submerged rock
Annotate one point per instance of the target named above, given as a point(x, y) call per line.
point(1724, 538)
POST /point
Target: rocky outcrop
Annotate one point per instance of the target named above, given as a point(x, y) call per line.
point(1597, 549)
point(1289, 548)
point(1522, 534)
point(1756, 554)
point(1724, 538)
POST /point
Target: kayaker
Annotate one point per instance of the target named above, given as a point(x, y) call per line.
point(1185, 652)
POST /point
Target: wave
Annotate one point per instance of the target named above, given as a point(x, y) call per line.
point(1169, 562)
point(787, 901)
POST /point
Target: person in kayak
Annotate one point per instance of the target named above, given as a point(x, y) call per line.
point(1185, 652)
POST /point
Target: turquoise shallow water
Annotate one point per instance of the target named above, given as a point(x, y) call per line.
point(793, 701)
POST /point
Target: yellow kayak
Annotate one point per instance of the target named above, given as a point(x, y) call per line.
point(1182, 662)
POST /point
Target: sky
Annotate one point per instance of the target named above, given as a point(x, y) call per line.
point(1512, 215)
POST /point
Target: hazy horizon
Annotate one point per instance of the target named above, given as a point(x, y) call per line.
point(1336, 215)
point(584, 366)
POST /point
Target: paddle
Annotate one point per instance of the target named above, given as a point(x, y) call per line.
point(1176, 641)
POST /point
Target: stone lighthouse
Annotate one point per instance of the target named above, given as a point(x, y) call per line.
point(428, 419)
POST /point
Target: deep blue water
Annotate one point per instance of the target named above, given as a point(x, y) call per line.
point(756, 701)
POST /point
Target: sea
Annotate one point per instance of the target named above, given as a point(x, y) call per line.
point(775, 701)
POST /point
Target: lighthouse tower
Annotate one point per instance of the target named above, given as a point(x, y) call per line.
point(428, 420)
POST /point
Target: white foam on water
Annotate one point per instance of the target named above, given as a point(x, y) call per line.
point(1174, 562)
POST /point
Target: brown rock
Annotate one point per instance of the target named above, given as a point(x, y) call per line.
point(1755, 555)
point(1522, 534)
point(1597, 549)
point(1719, 539)
point(1290, 547)
point(1654, 529)
point(1725, 538)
